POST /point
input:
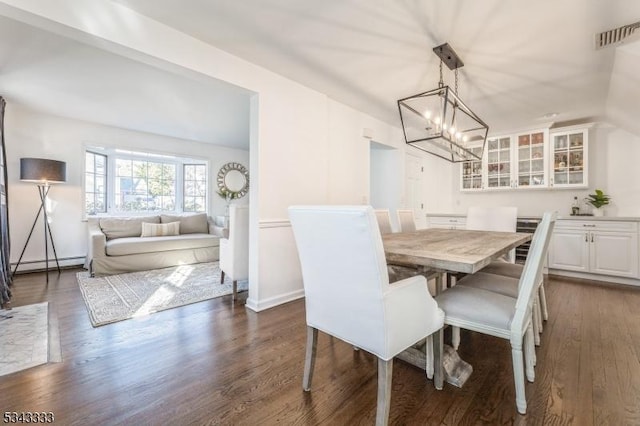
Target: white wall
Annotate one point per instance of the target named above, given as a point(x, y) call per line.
point(32, 134)
point(613, 167)
point(293, 141)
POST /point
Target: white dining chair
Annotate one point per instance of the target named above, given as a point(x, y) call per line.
point(406, 220)
point(515, 271)
point(384, 221)
point(508, 287)
point(234, 250)
point(348, 294)
point(493, 218)
point(486, 312)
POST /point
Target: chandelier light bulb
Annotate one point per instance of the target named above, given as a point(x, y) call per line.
point(465, 138)
point(427, 114)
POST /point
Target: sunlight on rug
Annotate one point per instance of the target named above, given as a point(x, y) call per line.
point(28, 337)
point(115, 298)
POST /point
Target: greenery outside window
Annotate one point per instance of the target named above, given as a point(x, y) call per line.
point(119, 182)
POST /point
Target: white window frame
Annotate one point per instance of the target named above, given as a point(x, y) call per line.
point(113, 154)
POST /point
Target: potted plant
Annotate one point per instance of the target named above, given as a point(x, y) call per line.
point(227, 195)
point(598, 200)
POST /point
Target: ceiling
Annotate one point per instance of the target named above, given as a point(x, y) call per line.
point(62, 77)
point(522, 61)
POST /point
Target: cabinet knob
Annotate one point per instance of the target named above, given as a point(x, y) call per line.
point(591, 237)
point(586, 237)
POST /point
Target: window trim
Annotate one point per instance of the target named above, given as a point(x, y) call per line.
point(113, 153)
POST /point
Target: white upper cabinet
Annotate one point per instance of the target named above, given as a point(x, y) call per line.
point(472, 176)
point(533, 159)
point(569, 159)
point(499, 160)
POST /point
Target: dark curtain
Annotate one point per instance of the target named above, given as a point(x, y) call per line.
point(5, 267)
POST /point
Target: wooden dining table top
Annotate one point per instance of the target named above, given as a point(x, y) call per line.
point(450, 250)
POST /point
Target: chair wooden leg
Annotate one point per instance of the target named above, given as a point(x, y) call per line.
point(539, 313)
point(385, 374)
point(455, 337)
point(235, 289)
point(530, 354)
point(438, 351)
point(310, 357)
point(428, 349)
point(536, 325)
point(221, 277)
point(543, 302)
point(518, 377)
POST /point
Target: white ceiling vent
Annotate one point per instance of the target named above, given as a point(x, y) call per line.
point(616, 35)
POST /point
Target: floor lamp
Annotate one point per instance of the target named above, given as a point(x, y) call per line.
point(44, 173)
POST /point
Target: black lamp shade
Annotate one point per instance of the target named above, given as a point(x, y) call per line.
point(43, 170)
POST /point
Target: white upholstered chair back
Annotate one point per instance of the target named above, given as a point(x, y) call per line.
point(498, 218)
point(234, 250)
point(406, 220)
point(384, 221)
point(532, 274)
point(346, 284)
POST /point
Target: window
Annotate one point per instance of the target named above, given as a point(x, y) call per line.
point(144, 186)
point(195, 187)
point(95, 183)
point(118, 181)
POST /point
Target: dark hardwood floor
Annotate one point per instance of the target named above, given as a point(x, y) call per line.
point(216, 362)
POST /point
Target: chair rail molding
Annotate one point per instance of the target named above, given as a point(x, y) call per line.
point(274, 223)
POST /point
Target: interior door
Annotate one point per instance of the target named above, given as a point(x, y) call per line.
point(414, 188)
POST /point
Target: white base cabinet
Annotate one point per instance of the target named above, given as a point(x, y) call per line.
point(596, 247)
point(447, 221)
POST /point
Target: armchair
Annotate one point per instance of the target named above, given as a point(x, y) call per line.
point(348, 294)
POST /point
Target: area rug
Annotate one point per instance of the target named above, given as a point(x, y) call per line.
point(116, 298)
point(29, 337)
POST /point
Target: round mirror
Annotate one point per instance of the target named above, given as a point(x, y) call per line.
point(233, 179)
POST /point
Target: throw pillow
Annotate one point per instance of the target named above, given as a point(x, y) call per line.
point(189, 223)
point(160, 229)
point(122, 227)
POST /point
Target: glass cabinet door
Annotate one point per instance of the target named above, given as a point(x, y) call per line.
point(472, 172)
point(499, 162)
point(569, 158)
point(531, 154)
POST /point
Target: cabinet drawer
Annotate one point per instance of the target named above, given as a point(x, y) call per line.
point(446, 221)
point(600, 225)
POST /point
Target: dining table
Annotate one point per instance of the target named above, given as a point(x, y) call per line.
point(436, 252)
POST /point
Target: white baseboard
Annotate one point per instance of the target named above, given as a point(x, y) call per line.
point(272, 302)
point(39, 265)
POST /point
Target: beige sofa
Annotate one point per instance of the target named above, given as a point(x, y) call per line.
point(116, 244)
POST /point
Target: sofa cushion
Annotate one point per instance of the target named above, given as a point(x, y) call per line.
point(122, 227)
point(136, 245)
point(160, 229)
point(189, 223)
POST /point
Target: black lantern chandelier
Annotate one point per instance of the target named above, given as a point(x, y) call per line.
point(439, 123)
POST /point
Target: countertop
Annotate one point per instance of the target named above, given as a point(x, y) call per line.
point(560, 217)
